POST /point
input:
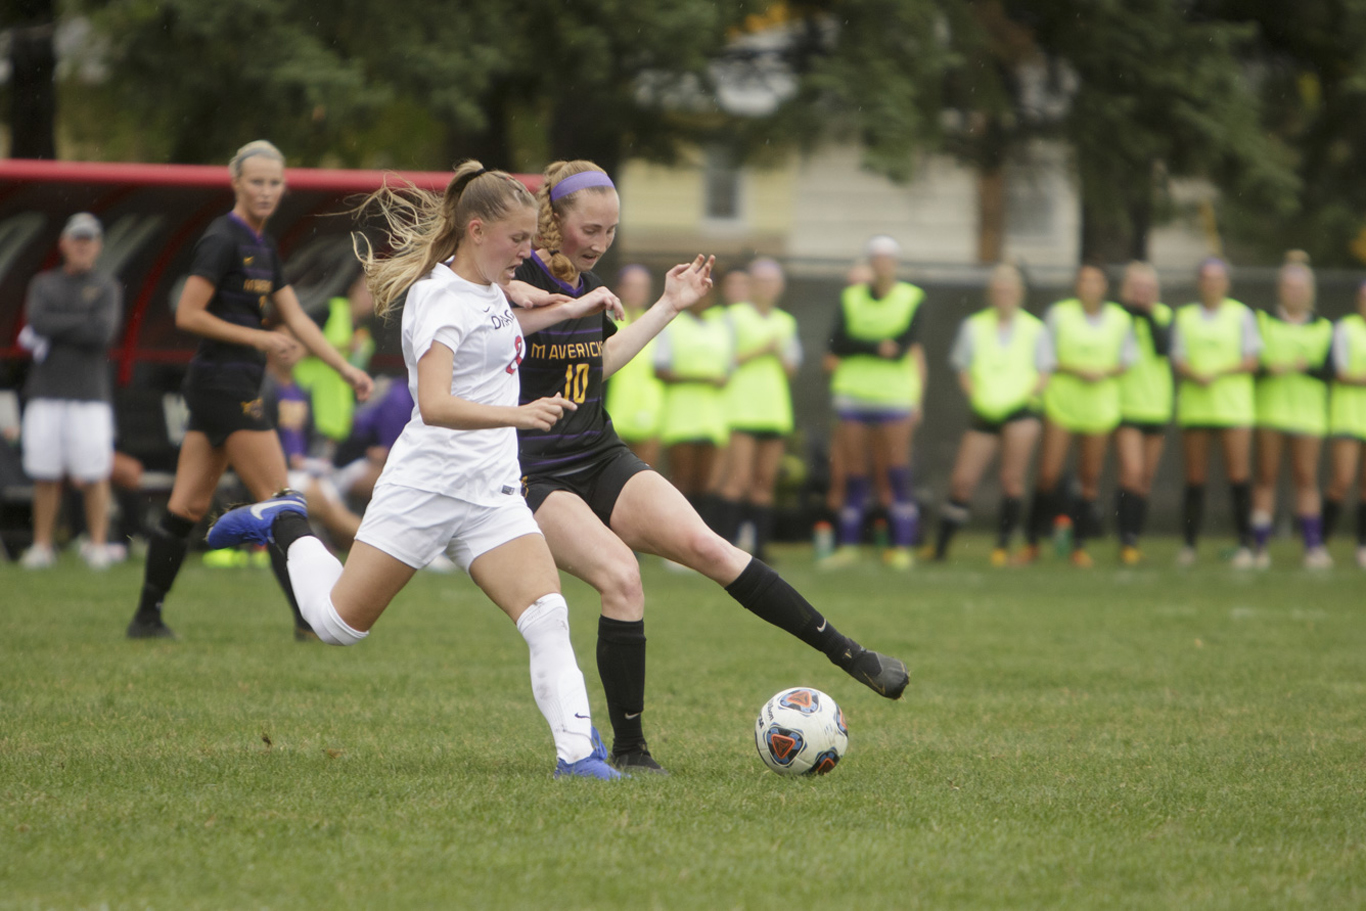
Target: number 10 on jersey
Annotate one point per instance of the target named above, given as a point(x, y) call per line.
point(576, 382)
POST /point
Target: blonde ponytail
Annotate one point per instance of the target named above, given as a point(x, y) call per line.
point(548, 227)
point(423, 229)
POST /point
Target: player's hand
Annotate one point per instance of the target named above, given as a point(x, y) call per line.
point(687, 283)
point(889, 349)
point(529, 297)
point(279, 345)
point(599, 300)
point(543, 414)
point(360, 381)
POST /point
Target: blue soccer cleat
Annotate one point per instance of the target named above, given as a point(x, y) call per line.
point(251, 524)
point(594, 765)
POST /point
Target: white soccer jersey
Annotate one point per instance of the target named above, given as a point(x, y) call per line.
point(476, 323)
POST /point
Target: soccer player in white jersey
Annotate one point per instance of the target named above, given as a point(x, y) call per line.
point(452, 476)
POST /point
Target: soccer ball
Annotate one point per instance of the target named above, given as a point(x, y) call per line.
point(801, 731)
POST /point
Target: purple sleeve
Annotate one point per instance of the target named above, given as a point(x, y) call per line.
point(393, 414)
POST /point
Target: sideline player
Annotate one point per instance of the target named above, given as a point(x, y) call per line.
point(1003, 357)
point(1093, 341)
point(635, 395)
point(758, 404)
point(73, 315)
point(1292, 409)
point(452, 476)
point(1215, 346)
point(236, 272)
point(596, 502)
point(877, 388)
point(1347, 422)
point(1145, 404)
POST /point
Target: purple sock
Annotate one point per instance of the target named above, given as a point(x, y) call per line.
point(1312, 529)
point(1261, 534)
point(905, 515)
point(851, 514)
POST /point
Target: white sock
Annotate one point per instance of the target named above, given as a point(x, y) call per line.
point(556, 680)
point(313, 571)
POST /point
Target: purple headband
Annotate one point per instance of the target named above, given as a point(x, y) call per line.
point(580, 181)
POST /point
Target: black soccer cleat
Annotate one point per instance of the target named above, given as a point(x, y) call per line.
point(883, 674)
point(640, 760)
point(149, 628)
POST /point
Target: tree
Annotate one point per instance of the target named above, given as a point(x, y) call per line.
point(33, 65)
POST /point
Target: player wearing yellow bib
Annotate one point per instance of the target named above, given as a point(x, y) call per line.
point(876, 388)
point(758, 403)
point(1347, 422)
point(1292, 408)
point(635, 396)
point(1003, 357)
point(1093, 342)
point(693, 360)
point(1145, 404)
point(1215, 348)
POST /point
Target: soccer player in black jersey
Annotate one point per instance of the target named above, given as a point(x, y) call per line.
point(596, 502)
point(235, 274)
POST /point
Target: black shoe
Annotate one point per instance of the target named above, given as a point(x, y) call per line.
point(149, 628)
point(305, 634)
point(637, 761)
point(882, 674)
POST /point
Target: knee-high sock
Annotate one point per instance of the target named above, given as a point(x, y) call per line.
point(1006, 520)
point(951, 518)
point(1140, 514)
point(729, 515)
point(856, 488)
point(621, 665)
point(1084, 521)
point(1311, 527)
point(279, 564)
point(1192, 513)
point(1126, 517)
point(1260, 525)
point(761, 517)
point(1361, 524)
point(165, 552)
point(1331, 510)
point(1041, 512)
point(905, 513)
point(1240, 495)
point(764, 593)
point(314, 572)
point(556, 681)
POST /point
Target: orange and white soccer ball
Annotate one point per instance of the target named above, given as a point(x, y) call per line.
point(801, 731)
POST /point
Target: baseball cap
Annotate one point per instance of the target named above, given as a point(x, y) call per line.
point(82, 224)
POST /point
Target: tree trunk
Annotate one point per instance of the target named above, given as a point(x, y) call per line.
point(991, 215)
point(33, 91)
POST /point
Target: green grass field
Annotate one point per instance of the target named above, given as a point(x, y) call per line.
point(1146, 738)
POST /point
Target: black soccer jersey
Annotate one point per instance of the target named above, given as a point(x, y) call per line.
point(565, 358)
point(245, 270)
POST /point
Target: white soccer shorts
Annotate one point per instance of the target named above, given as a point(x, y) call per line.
point(413, 526)
point(66, 438)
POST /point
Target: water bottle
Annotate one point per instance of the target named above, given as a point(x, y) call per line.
point(823, 539)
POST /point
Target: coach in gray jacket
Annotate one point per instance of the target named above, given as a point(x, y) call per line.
point(73, 315)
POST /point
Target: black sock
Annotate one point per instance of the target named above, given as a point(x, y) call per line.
point(165, 552)
point(1041, 512)
point(280, 567)
point(1192, 513)
point(729, 514)
point(287, 528)
point(1140, 514)
point(1127, 507)
point(1331, 510)
point(1241, 496)
point(1006, 521)
point(621, 665)
point(762, 519)
point(1084, 521)
point(951, 518)
point(1361, 524)
point(764, 593)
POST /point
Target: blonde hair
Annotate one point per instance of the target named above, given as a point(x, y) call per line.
point(257, 147)
point(1141, 267)
point(1005, 270)
point(1297, 263)
point(547, 227)
point(423, 229)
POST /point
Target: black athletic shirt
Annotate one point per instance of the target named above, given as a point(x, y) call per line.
point(565, 358)
point(245, 270)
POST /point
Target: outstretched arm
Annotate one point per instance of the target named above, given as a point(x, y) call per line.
point(598, 300)
point(684, 285)
point(441, 409)
point(312, 338)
